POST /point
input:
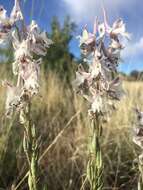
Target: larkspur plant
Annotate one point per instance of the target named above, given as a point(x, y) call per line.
point(138, 140)
point(99, 83)
point(27, 42)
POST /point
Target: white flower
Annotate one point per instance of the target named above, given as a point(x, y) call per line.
point(115, 45)
point(138, 140)
point(31, 77)
point(13, 97)
point(5, 26)
point(79, 80)
point(23, 50)
point(3, 16)
point(95, 67)
point(86, 37)
point(15, 67)
point(4, 37)
point(118, 27)
point(101, 30)
point(31, 83)
point(139, 117)
point(96, 105)
point(38, 40)
point(7, 23)
point(16, 13)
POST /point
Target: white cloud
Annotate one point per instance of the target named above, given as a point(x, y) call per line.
point(87, 9)
point(133, 49)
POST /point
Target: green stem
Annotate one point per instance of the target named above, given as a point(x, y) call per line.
point(30, 148)
point(95, 163)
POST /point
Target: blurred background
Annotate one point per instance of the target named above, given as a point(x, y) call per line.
point(59, 114)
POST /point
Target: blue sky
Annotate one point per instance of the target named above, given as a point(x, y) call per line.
point(83, 12)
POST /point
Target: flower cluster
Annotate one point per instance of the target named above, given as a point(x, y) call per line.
point(27, 41)
point(99, 83)
point(7, 23)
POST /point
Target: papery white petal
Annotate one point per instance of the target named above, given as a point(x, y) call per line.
point(4, 38)
point(33, 27)
point(38, 41)
point(31, 78)
point(79, 80)
point(15, 42)
point(3, 16)
point(118, 24)
point(23, 50)
point(95, 68)
point(13, 98)
point(115, 45)
point(138, 141)
point(47, 41)
point(15, 67)
point(97, 104)
point(101, 30)
point(139, 117)
point(16, 13)
point(85, 35)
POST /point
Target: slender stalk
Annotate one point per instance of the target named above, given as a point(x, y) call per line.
point(95, 163)
point(49, 147)
point(30, 148)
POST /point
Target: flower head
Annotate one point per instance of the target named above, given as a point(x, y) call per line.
point(118, 28)
point(100, 84)
point(13, 99)
point(27, 42)
point(16, 13)
point(7, 23)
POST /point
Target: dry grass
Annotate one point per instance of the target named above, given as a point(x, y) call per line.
point(63, 166)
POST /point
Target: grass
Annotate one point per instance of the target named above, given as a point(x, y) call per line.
point(63, 128)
